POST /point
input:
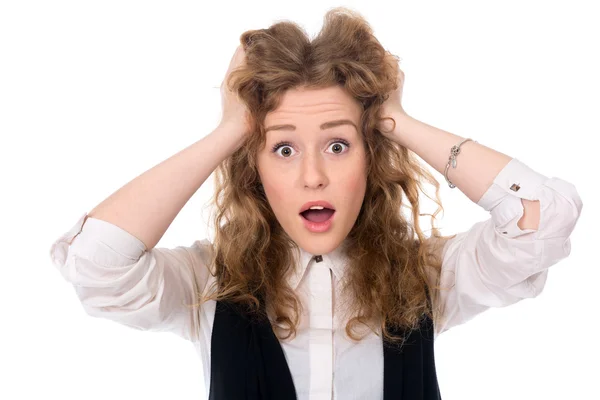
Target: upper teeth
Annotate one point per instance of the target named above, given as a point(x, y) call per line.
point(316, 208)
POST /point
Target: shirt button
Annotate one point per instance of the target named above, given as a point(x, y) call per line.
point(318, 258)
point(515, 187)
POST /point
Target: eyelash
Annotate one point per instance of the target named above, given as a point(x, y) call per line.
point(283, 144)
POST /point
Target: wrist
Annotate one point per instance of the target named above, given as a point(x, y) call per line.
point(400, 130)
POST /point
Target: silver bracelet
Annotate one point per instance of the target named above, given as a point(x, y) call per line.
point(454, 151)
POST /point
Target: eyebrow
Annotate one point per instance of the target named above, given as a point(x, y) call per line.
point(326, 125)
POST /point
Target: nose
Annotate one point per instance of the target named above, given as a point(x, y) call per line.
point(314, 174)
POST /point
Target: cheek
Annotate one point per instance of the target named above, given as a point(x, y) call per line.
point(357, 180)
point(275, 190)
point(356, 186)
point(269, 182)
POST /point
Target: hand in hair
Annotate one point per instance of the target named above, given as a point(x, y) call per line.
point(392, 109)
point(234, 112)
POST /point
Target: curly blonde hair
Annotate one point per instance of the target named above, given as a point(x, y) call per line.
point(392, 264)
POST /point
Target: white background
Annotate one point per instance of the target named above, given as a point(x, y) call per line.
point(94, 93)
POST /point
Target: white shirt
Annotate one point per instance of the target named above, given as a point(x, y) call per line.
point(493, 264)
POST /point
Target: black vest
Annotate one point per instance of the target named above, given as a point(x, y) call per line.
point(248, 363)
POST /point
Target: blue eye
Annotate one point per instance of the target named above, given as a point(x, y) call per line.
point(336, 143)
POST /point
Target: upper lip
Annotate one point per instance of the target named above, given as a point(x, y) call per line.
point(321, 203)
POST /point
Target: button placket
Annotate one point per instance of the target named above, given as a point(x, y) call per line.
point(321, 328)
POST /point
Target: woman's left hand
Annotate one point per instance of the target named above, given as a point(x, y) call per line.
point(392, 108)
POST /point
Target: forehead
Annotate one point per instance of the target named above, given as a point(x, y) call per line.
point(302, 102)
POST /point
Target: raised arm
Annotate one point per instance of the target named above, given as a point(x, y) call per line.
point(146, 206)
point(109, 255)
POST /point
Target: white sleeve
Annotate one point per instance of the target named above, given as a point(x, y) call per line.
point(495, 263)
point(115, 277)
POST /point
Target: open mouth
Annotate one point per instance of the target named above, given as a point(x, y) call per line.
point(317, 216)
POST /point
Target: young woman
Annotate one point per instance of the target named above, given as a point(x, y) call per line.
point(317, 286)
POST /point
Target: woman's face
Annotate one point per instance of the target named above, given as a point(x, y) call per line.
point(307, 160)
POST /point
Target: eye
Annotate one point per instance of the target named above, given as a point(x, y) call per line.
point(336, 145)
point(287, 146)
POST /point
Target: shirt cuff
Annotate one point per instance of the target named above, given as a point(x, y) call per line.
point(507, 215)
point(516, 181)
point(99, 241)
point(60, 247)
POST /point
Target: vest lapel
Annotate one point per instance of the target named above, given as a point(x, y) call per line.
point(409, 371)
point(247, 361)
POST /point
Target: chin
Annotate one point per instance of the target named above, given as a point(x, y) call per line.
point(319, 244)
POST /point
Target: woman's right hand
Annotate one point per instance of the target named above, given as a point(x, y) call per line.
point(234, 112)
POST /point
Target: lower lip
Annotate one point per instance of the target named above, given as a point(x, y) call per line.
point(318, 227)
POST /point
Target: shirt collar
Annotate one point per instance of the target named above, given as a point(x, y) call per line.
point(336, 260)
